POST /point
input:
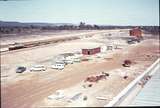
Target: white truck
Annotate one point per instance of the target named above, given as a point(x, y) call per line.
point(58, 65)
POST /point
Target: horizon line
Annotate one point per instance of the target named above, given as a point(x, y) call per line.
point(72, 23)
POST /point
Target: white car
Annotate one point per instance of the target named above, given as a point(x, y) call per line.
point(58, 66)
point(77, 59)
point(38, 68)
point(68, 61)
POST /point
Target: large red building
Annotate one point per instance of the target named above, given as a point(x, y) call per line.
point(136, 32)
point(91, 51)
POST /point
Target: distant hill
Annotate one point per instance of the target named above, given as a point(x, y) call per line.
point(20, 24)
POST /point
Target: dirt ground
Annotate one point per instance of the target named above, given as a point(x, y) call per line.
point(42, 36)
point(30, 89)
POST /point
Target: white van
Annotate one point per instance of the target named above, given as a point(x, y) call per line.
point(38, 68)
point(58, 65)
point(77, 59)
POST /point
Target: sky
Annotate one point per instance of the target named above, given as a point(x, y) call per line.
point(102, 12)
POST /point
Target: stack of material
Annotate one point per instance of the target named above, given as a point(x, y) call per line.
point(97, 77)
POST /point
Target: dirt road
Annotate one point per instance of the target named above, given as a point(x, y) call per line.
point(26, 92)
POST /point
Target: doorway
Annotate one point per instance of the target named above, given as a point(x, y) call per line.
point(89, 52)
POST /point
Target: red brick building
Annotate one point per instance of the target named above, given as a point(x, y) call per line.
point(91, 51)
point(136, 32)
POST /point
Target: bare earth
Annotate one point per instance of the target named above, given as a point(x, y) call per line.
point(30, 89)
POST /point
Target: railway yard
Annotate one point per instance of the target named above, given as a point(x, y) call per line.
point(92, 81)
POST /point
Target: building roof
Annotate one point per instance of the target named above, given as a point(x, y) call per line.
point(150, 94)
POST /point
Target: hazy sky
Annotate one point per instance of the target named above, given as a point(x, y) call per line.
point(112, 12)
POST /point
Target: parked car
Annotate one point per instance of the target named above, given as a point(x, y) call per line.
point(58, 65)
point(76, 59)
point(131, 41)
point(20, 69)
point(38, 68)
point(68, 61)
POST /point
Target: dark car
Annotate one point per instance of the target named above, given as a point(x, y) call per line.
point(131, 41)
point(20, 69)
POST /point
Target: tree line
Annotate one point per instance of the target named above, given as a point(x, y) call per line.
point(81, 26)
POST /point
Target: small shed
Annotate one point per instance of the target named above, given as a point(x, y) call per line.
point(91, 51)
point(136, 32)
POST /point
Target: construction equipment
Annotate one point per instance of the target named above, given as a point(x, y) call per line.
point(125, 77)
point(91, 79)
point(127, 63)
